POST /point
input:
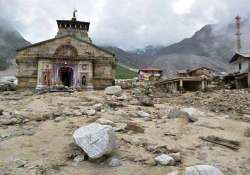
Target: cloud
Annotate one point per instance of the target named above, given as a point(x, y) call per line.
point(123, 23)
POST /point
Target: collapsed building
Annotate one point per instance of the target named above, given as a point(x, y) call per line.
point(149, 74)
point(188, 80)
point(241, 62)
point(70, 59)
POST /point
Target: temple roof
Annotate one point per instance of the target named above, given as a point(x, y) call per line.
point(49, 40)
point(73, 23)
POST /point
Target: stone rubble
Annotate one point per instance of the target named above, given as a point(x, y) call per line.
point(113, 90)
point(133, 131)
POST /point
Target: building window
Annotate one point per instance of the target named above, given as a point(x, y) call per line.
point(239, 66)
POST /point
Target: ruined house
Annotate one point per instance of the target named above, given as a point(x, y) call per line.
point(241, 63)
point(70, 59)
point(188, 80)
point(149, 74)
point(200, 71)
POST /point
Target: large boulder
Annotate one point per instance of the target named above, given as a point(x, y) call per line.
point(165, 159)
point(95, 139)
point(8, 83)
point(202, 170)
point(176, 113)
point(146, 101)
point(113, 90)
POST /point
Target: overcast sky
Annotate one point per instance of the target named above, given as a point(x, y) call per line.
point(128, 24)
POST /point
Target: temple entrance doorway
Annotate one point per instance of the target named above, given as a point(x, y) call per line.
point(66, 76)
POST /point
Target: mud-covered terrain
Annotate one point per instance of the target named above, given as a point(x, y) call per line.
point(36, 132)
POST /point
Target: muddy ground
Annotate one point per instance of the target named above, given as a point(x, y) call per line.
point(36, 132)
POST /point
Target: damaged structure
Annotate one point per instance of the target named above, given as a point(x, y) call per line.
point(188, 80)
point(70, 59)
point(149, 74)
point(201, 71)
point(182, 84)
point(241, 63)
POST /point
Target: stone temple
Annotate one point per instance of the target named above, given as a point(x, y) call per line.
point(70, 59)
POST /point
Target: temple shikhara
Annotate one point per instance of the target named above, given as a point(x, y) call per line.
point(70, 59)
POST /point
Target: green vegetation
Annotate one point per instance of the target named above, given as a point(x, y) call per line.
point(3, 64)
point(123, 73)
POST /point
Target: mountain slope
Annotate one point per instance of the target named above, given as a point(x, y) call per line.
point(212, 46)
point(10, 40)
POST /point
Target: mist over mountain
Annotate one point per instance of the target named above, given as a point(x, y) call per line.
point(212, 46)
point(10, 40)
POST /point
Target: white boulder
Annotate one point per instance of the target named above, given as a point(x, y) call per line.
point(164, 159)
point(95, 139)
point(193, 112)
point(90, 112)
point(113, 90)
point(202, 170)
point(142, 114)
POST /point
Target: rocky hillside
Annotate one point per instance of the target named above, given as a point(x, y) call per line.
point(10, 40)
point(212, 46)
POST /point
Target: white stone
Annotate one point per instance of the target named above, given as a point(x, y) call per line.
point(164, 159)
point(98, 107)
point(174, 173)
point(90, 112)
point(105, 122)
point(202, 170)
point(193, 112)
point(142, 114)
point(113, 90)
point(95, 139)
point(114, 162)
point(122, 98)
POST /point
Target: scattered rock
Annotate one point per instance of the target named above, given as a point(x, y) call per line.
point(114, 162)
point(146, 101)
point(90, 112)
point(19, 163)
point(175, 173)
point(113, 90)
point(122, 98)
point(150, 162)
point(165, 159)
point(181, 114)
point(202, 170)
point(105, 122)
point(8, 83)
point(95, 139)
point(59, 119)
point(98, 107)
point(143, 114)
point(176, 156)
point(134, 127)
point(9, 121)
point(247, 132)
point(78, 159)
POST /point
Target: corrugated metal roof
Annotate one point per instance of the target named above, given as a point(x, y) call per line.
point(240, 54)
